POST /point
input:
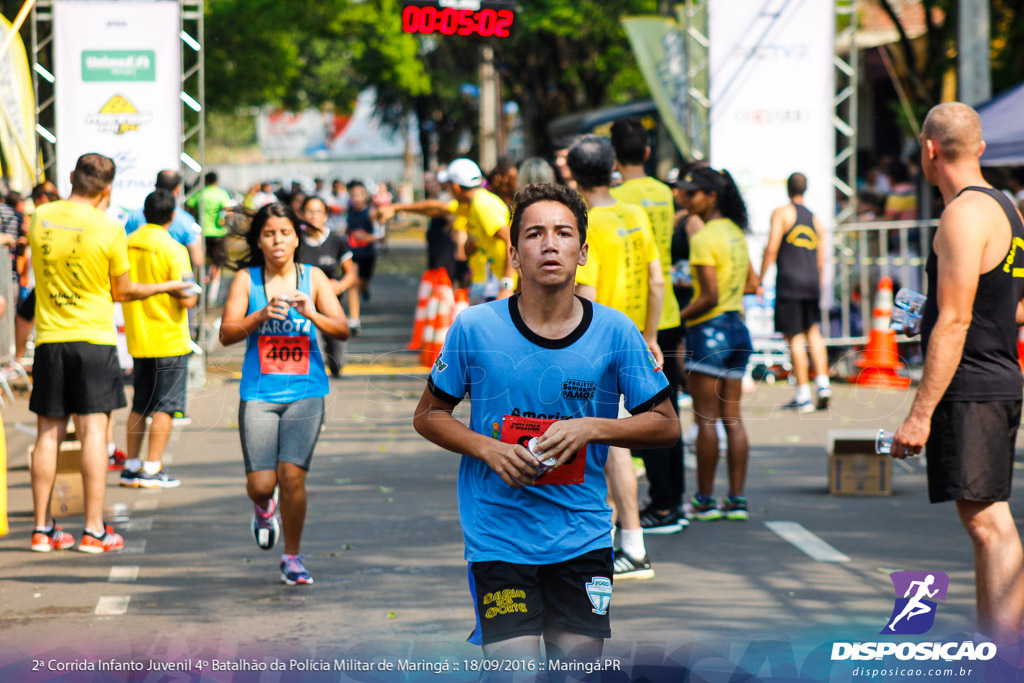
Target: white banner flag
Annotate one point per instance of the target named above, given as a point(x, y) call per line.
point(118, 68)
point(772, 88)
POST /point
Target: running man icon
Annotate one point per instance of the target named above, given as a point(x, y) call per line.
point(918, 591)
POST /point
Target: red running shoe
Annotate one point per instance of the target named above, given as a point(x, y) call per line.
point(117, 460)
point(54, 539)
point(101, 544)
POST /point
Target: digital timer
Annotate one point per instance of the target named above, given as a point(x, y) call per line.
point(450, 21)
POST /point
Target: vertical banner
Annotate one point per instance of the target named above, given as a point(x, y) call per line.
point(118, 69)
point(659, 47)
point(18, 115)
point(772, 87)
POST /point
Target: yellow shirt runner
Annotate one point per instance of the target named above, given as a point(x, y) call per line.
point(75, 251)
point(621, 249)
point(655, 198)
point(485, 215)
point(156, 327)
point(723, 245)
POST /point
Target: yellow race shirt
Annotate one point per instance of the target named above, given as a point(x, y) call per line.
point(486, 215)
point(621, 248)
point(655, 198)
point(157, 327)
point(75, 251)
point(723, 245)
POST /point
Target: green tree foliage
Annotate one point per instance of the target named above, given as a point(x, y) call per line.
point(564, 56)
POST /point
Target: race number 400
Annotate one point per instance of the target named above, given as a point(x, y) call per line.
point(284, 355)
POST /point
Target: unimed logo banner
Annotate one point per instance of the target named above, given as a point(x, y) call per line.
point(772, 86)
point(118, 68)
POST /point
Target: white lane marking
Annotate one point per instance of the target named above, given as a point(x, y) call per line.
point(142, 524)
point(146, 504)
point(807, 542)
point(123, 574)
point(112, 605)
point(134, 547)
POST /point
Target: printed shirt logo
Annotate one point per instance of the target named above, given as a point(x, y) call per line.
point(440, 364)
point(803, 236)
point(912, 612)
point(599, 590)
point(1017, 243)
point(578, 389)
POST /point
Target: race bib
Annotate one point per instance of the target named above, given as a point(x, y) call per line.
point(284, 355)
point(517, 429)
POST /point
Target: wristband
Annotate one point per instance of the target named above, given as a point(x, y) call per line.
point(507, 283)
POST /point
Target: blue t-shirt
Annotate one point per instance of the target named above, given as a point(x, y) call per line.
point(183, 227)
point(282, 361)
point(505, 368)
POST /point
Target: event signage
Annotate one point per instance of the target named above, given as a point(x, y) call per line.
point(772, 84)
point(118, 69)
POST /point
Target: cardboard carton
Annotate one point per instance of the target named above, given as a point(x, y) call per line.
point(854, 469)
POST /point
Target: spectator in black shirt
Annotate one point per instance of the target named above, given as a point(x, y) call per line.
point(330, 252)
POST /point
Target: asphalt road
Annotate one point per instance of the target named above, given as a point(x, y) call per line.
point(383, 543)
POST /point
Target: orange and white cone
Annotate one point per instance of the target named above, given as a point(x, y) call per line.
point(442, 303)
point(426, 285)
point(880, 361)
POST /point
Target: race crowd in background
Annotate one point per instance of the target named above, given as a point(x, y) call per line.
point(631, 287)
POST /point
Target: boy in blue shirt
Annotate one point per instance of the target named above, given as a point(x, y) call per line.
point(548, 363)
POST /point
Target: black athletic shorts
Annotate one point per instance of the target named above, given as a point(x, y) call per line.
point(364, 267)
point(515, 600)
point(970, 450)
point(160, 385)
point(216, 250)
point(796, 316)
point(26, 308)
point(76, 378)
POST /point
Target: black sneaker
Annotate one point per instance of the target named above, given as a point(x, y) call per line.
point(626, 567)
point(655, 523)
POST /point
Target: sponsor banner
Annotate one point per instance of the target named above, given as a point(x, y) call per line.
point(325, 135)
point(660, 51)
point(18, 122)
point(117, 91)
point(771, 87)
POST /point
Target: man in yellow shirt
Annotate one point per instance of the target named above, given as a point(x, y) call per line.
point(80, 260)
point(158, 336)
point(664, 466)
point(487, 221)
point(622, 271)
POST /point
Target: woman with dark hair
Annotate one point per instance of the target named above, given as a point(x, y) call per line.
point(716, 337)
point(277, 304)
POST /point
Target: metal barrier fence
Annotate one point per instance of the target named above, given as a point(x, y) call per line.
point(864, 253)
point(9, 368)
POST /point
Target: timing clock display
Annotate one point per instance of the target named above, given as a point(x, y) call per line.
point(455, 21)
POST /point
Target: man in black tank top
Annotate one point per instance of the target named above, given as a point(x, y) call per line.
point(794, 245)
point(968, 405)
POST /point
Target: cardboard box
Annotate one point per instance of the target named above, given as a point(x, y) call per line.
point(69, 457)
point(68, 495)
point(854, 469)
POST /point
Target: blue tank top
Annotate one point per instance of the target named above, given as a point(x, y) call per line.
point(282, 358)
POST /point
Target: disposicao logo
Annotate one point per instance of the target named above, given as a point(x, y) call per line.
point(913, 613)
point(914, 610)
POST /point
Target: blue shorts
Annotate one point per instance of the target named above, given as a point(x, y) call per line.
point(719, 347)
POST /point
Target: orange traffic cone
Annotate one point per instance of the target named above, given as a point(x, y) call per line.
point(881, 359)
point(461, 302)
point(426, 284)
point(442, 302)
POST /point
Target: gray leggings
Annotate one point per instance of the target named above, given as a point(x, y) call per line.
point(273, 433)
